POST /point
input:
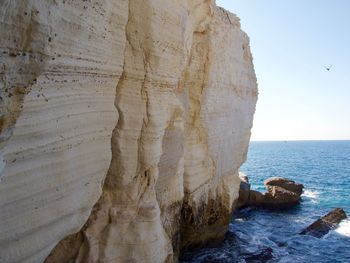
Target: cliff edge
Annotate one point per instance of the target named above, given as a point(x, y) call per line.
point(123, 125)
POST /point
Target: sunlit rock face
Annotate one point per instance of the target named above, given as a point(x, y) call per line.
point(123, 126)
point(60, 63)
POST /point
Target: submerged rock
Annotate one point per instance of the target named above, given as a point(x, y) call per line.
point(285, 184)
point(326, 223)
point(260, 257)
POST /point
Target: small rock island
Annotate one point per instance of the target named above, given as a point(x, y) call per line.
point(281, 193)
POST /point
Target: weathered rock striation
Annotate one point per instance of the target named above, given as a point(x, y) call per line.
point(123, 125)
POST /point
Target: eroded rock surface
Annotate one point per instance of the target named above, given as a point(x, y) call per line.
point(281, 193)
point(275, 198)
point(173, 80)
point(59, 67)
point(244, 191)
point(285, 184)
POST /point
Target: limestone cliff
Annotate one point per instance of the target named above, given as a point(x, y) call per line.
point(123, 125)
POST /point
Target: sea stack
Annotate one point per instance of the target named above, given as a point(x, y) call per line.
point(123, 127)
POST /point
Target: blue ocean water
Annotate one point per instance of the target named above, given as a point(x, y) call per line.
point(324, 169)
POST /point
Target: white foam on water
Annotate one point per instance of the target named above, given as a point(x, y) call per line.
point(311, 194)
point(344, 228)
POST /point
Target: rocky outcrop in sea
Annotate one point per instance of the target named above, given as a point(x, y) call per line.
point(322, 226)
point(281, 193)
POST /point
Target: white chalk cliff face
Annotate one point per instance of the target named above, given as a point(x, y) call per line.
point(123, 125)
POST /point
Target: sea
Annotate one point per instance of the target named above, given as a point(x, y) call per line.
point(259, 235)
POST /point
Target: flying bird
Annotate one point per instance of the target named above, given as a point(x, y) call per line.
point(328, 68)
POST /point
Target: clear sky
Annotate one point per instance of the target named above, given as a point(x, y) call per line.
point(291, 42)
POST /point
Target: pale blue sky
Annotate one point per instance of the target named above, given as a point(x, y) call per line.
point(291, 42)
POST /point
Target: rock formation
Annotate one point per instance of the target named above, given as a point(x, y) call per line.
point(326, 223)
point(275, 198)
point(123, 125)
point(244, 191)
point(281, 193)
point(285, 184)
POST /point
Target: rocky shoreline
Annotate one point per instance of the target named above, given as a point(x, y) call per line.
point(283, 193)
